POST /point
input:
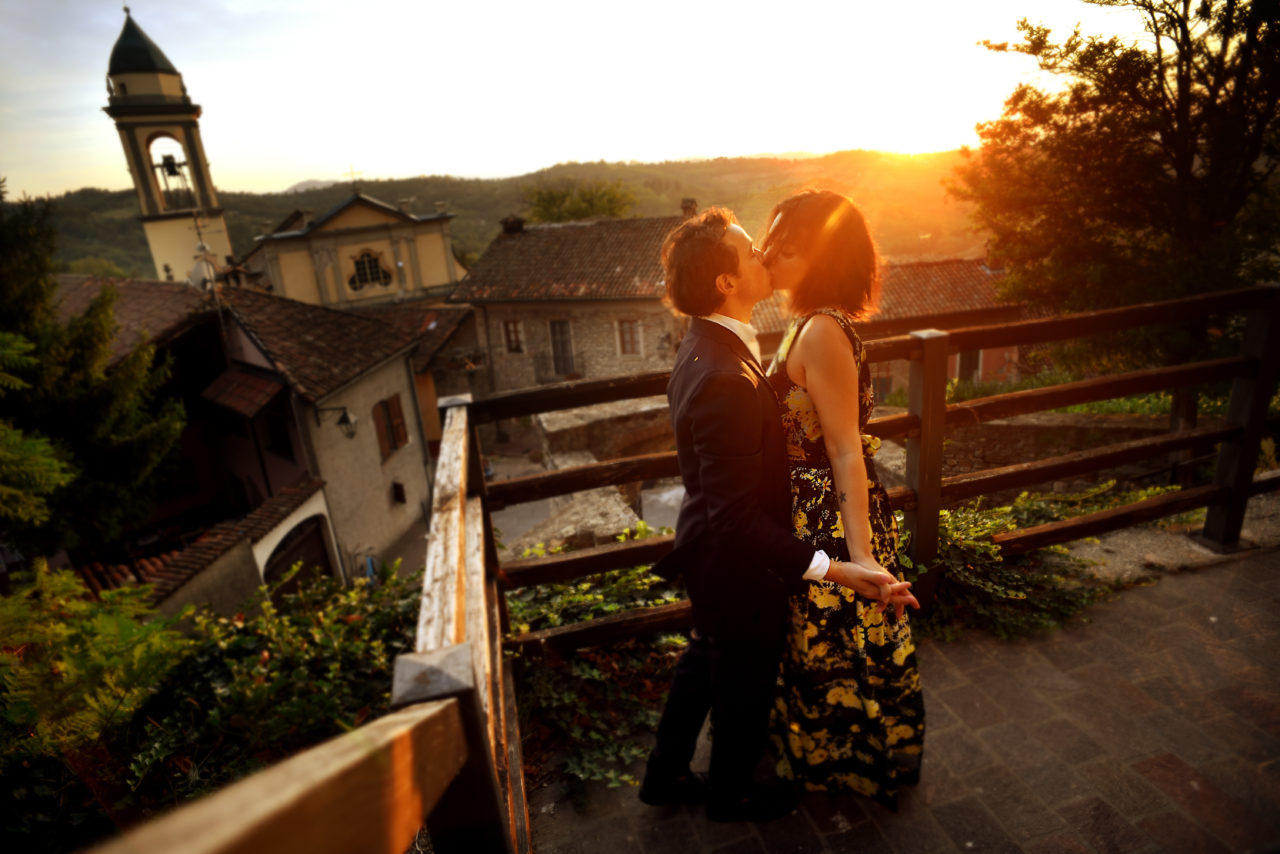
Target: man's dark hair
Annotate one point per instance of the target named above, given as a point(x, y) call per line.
point(693, 256)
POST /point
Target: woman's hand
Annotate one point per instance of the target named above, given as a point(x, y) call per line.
point(869, 579)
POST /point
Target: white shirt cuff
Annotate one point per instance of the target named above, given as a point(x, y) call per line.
point(818, 566)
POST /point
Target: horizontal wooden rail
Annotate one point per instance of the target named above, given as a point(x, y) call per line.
point(984, 409)
point(517, 490)
point(568, 395)
point(1053, 533)
point(1107, 320)
point(676, 617)
point(894, 426)
point(558, 568)
point(368, 790)
point(1069, 465)
point(888, 349)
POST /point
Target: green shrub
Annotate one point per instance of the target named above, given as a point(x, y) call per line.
point(590, 713)
point(1009, 597)
point(257, 689)
point(73, 671)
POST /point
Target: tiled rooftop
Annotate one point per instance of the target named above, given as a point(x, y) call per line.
point(144, 308)
point(318, 350)
point(919, 289)
point(170, 571)
point(602, 259)
point(431, 324)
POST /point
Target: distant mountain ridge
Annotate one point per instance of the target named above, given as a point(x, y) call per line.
point(902, 195)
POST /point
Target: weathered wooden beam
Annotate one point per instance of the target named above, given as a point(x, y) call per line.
point(1053, 533)
point(368, 790)
point(568, 395)
point(1007, 405)
point(558, 568)
point(1080, 462)
point(675, 617)
point(927, 402)
point(1107, 320)
point(518, 490)
point(439, 622)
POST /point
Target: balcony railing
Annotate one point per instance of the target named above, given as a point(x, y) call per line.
point(451, 755)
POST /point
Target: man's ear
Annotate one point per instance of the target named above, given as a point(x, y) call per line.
point(726, 284)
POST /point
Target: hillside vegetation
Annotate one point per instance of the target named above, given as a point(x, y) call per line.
point(902, 195)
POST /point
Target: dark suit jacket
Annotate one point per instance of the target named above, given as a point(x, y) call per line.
point(734, 539)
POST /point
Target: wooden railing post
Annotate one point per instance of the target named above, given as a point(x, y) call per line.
point(1250, 396)
point(472, 815)
point(927, 400)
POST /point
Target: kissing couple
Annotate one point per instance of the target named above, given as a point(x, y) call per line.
point(785, 539)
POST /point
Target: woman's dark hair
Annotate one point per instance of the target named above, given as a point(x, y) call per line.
point(693, 256)
point(828, 230)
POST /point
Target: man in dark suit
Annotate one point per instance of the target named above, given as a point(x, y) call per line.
point(734, 542)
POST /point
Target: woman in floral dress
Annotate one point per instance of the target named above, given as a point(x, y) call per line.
point(849, 714)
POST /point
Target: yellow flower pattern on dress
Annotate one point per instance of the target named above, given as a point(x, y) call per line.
point(849, 715)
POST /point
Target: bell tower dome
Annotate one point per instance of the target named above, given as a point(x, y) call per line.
point(159, 129)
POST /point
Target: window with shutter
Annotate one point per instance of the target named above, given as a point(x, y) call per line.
point(388, 423)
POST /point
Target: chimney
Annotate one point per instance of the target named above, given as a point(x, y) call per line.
point(689, 207)
point(513, 224)
point(405, 205)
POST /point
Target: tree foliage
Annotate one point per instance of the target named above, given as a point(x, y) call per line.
point(29, 467)
point(104, 419)
point(565, 201)
point(1150, 175)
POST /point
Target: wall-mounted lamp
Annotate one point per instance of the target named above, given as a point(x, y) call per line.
point(346, 421)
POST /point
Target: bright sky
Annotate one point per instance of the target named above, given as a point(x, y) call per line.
point(308, 89)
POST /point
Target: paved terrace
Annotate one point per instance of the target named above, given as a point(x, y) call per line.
point(1151, 725)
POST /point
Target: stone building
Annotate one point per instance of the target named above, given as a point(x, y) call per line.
point(572, 300)
point(302, 439)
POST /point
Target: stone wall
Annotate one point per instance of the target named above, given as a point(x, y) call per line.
point(594, 337)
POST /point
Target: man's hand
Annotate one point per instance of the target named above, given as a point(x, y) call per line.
point(873, 581)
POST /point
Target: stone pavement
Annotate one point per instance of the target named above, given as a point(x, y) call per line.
point(1150, 724)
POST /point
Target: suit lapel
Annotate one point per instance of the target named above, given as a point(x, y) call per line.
point(710, 329)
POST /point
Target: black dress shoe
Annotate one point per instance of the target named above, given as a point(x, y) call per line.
point(759, 802)
point(659, 790)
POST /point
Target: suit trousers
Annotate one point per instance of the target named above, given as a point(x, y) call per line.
point(729, 669)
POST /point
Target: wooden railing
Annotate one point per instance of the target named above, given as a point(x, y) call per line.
point(1253, 375)
point(450, 756)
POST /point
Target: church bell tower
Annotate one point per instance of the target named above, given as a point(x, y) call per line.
point(159, 129)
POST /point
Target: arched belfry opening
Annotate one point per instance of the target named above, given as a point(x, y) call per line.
point(170, 171)
point(159, 130)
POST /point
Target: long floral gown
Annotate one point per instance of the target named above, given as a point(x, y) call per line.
point(849, 713)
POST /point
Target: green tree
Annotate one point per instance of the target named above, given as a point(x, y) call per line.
point(29, 467)
point(94, 266)
point(568, 200)
point(1149, 176)
point(104, 419)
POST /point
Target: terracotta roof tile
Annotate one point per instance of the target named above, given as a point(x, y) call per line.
point(922, 289)
point(431, 325)
point(170, 571)
point(601, 259)
point(144, 308)
point(318, 350)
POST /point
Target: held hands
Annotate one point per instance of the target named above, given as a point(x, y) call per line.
point(867, 578)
